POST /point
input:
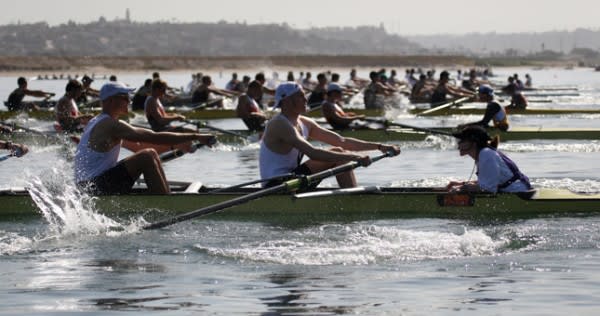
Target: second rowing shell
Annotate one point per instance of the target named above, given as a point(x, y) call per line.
point(408, 134)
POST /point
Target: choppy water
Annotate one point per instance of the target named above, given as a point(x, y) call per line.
point(74, 260)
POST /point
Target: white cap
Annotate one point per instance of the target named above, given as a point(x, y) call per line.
point(285, 90)
point(113, 88)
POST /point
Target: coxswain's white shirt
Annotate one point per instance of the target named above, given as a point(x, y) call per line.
point(493, 171)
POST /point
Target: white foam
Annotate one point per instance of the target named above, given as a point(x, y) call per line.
point(361, 244)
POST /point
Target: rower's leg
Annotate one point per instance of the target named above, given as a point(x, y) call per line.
point(344, 180)
point(147, 162)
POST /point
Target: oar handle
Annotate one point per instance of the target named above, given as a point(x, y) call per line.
point(176, 153)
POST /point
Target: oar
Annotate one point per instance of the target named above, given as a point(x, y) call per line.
point(416, 128)
point(214, 128)
point(241, 185)
point(176, 153)
point(288, 186)
point(444, 106)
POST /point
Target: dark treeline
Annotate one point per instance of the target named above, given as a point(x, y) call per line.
point(123, 38)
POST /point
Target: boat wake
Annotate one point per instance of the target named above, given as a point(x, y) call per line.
point(359, 244)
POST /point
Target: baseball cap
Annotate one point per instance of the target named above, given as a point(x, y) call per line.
point(285, 90)
point(334, 87)
point(485, 89)
point(113, 88)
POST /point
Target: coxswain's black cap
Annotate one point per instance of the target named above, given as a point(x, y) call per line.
point(474, 133)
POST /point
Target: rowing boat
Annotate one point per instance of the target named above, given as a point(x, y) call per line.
point(326, 205)
point(408, 134)
point(475, 110)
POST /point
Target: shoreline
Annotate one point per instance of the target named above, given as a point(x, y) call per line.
point(98, 64)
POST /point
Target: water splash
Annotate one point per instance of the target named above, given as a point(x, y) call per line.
point(68, 211)
point(360, 244)
point(11, 243)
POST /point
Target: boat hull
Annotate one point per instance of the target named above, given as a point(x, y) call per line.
point(363, 203)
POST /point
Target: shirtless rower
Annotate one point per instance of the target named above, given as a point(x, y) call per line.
point(156, 115)
point(17, 150)
point(493, 112)
point(444, 88)
point(67, 113)
point(248, 108)
point(15, 99)
point(286, 139)
point(96, 167)
point(205, 93)
point(139, 98)
point(517, 99)
point(333, 113)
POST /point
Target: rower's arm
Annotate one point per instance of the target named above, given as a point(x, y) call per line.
point(330, 113)
point(348, 143)
point(152, 111)
point(123, 130)
point(38, 93)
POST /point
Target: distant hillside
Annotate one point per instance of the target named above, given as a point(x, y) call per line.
point(123, 38)
point(511, 44)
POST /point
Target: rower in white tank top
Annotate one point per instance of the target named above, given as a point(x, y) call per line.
point(273, 164)
point(90, 163)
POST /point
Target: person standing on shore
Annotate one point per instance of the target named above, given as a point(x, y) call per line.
point(15, 99)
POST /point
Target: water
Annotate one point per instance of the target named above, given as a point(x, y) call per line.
point(77, 261)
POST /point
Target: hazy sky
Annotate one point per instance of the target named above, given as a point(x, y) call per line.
point(399, 16)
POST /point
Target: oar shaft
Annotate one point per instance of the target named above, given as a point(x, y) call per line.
point(214, 128)
point(416, 128)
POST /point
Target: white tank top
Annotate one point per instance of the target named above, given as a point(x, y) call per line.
point(273, 164)
point(90, 163)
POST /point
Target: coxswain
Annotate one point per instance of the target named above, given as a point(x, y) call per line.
point(495, 171)
point(494, 112)
point(96, 165)
point(248, 108)
point(67, 113)
point(15, 99)
point(286, 140)
point(333, 113)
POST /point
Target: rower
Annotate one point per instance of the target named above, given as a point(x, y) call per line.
point(495, 171)
point(443, 89)
point(333, 113)
point(17, 150)
point(471, 84)
point(420, 90)
point(139, 98)
point(307, 82)
point(205, 93)
point(67, 113)
point(528, 81)
point(374, 91)
point(248, 108)
point(493, 112)
point(357, 81)
point(318, 92)
point(518, 100)
point(286, 137)
point(96, 167)
point(156, 115)
point(233, 84)
point(87, 90)
point(15, 99)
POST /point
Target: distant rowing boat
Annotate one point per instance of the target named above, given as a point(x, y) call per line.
point(322, 205)
point(477, 110)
